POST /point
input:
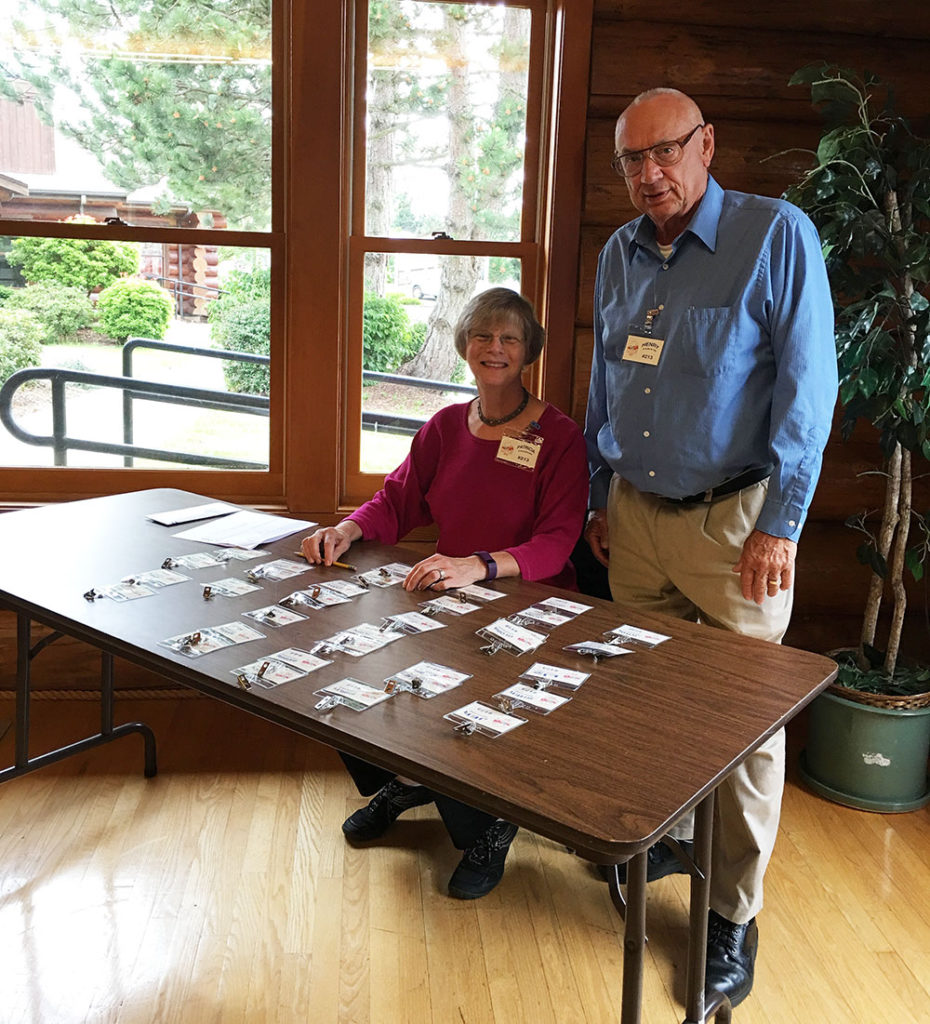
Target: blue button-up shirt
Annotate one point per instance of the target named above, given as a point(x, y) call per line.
point(747, 371)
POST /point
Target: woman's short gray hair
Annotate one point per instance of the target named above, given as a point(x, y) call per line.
point(500, 304)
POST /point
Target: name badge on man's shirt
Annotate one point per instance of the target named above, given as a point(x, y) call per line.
point(643, 349)
point(520, 450)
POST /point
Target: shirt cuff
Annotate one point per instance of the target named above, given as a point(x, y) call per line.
point(781, 520)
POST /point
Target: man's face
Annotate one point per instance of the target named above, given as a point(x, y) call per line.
point(667, 195)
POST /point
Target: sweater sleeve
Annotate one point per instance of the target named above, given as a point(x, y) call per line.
point(561, 501)
point(400, 506)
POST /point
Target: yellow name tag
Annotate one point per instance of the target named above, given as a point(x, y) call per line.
point(519, 451)
point(643, 350)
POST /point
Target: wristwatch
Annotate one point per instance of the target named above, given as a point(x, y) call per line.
point(489, 563)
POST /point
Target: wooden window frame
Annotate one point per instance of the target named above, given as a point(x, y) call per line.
point(310, 240)
point(32, 485)
point(544, 102)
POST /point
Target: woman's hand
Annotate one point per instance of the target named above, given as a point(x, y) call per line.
point(440, 572)
point(329, 542)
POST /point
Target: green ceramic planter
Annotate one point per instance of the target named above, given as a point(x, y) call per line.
point(871, 758)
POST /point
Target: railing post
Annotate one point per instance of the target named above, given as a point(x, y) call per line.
point(127, 400)
point(59, 426)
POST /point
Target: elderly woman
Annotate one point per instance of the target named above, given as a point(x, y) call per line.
point(500, 511)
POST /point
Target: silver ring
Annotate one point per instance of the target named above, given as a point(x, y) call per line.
point(442, 575)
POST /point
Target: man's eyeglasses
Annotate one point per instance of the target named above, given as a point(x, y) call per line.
point(665, 154)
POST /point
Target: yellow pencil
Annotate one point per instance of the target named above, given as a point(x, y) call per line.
point(339, 565)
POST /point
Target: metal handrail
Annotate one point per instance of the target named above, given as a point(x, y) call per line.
point(61, 443)
point(181, 289)
point(174, 394)
point(389, 422)
point(376, 377)
point(130, 346)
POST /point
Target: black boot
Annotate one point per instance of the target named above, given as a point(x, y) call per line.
point(731, 957)
point(482, 865)
point(391, 800)
point(661, 860)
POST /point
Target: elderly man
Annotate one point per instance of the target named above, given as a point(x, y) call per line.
point(712, 390)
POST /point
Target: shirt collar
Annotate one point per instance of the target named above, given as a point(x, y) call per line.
point(703, 224)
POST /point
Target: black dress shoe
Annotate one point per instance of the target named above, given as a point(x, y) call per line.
point(386, 805)
point(661, 860)
point(731, 957)
point(482, 865)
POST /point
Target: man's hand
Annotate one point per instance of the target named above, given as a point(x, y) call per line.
point(765, 566)
point(596, 534)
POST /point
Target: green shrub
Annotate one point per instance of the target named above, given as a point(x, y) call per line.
point(244, 326)
point(134, 308)
point(247, 284)
point(80, 262)
point(240, 321)
point(387, 337)
point(20, 341)
point(5, 293)
point(62, 309)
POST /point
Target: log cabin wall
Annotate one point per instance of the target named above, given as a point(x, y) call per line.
point(735, 59)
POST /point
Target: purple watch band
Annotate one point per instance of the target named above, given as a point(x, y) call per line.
point(489, 563)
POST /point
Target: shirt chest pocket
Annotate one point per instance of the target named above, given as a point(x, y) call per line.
point(715, 340)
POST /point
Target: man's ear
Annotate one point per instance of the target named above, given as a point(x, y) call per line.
point(707, 144)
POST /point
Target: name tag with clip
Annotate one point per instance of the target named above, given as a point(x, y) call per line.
point(521, 450)
point(642, 349)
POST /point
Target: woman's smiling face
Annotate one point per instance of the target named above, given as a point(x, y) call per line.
point(496, 351)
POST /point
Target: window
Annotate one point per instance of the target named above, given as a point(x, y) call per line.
point(258, 187)
point(448, 143)
point(139, 220)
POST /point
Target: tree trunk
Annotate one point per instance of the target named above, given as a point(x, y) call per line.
point(378, 174)
point(896, 569)
point(885, 537)
point(437, 359)
point(908, 336)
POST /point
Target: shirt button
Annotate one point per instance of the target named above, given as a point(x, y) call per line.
point(665, 266)
point(791, 522)
point(647, 391)
point(652, 472)
point(646, 434)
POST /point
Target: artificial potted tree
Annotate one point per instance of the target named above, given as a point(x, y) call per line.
point(869, 196)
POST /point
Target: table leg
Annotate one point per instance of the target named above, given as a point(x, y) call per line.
point(634, 940)
point(23, 763)
point(699, 1010)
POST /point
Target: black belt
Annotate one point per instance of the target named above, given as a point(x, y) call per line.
point(736, 483)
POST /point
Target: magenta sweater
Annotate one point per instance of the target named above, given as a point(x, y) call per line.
point(453, 479)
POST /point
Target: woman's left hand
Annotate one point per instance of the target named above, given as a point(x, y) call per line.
point(440, 572)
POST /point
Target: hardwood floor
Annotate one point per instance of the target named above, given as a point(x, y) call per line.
point(221, 891)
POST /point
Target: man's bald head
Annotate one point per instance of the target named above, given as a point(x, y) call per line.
point(668, 99)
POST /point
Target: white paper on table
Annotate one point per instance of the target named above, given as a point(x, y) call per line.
point(189, 515)
point(245, 530)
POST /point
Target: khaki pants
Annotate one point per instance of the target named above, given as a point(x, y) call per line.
point(678, 560)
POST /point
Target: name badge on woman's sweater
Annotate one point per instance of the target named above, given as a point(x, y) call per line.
point(520, 450)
